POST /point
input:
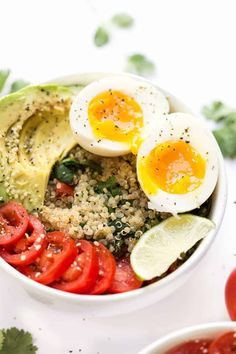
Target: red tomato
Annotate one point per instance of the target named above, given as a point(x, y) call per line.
point(14, 221)
point(225, 344)
point(80, 277)
point(198, 346)
point(107, 267)
point(63, 189)
point(125, 278)
point(56, 258)
point(230, 295)
point(27, 249)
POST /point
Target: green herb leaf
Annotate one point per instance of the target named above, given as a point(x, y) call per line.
point(3, 78)
point(101, 37)
point(70, 163)
point(141, 65)
point(122, 20)
point(18, 85)
point(17, 342)
point(94, 166)
point(226, 138)
point(76, 165)
point(226, 133)
point(1, 339)
point(110, 184)
point(63, 173)
point(216, 111)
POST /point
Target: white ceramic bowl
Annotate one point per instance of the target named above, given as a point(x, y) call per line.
point(108, 305)
point(209, 330)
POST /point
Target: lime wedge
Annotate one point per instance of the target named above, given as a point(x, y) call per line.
point(159, 247)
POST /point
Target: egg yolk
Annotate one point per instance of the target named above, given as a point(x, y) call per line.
point(174, 167)
point(115, 116)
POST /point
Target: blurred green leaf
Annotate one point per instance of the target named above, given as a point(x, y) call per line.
point(3, 78)
point(18, 85)
point(140, 64)
point(101, 37)
point(122, 20)
point(216, 111)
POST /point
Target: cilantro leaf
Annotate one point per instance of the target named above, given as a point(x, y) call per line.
point(101, 37)
point(226, 138)
point(1, 339)
point(216, 111)
point(17, 342)
point(3, 78)
point(18, 85)
point(225, 135)
point(141, 65)
point(122, 20)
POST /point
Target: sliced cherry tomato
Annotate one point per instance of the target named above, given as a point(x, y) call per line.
point(198, 346)
point(225, 344)
point(63, 189)
point(125, 278)
point(107, 267)
point(230, 295)
point(81, 276)
point(14, 221)
point(27, 249)
point(55, 259)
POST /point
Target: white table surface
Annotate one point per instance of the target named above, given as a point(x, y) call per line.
point(193, 45)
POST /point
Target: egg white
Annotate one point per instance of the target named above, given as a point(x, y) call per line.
point(151, 100)
point(170, 128)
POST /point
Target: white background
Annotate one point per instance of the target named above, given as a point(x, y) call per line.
point(193, 46)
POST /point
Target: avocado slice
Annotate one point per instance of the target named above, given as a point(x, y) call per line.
point(34, 133)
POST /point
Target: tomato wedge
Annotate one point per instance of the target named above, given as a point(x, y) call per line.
point(107, 267)
point(125, 278)
point(63, 189)
point(225, 344)
point(80, 277)
point(14, 221)
point(230, 295)
point(55, 259)
point(27, 249)
point(199, 346)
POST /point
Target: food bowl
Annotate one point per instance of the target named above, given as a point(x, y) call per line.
point(108, 305)
point(209, 330)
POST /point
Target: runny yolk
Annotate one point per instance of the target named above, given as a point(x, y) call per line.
point(115, 116)
point(174, 167)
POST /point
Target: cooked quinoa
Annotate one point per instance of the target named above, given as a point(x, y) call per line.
point(115, 217)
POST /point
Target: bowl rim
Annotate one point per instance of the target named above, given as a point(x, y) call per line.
point(162, 283)
point(185, 332)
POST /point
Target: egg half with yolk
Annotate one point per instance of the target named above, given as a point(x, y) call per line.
point(110, 116)
point(177, 164)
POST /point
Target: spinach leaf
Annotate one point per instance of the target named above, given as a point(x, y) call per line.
point(65, 169)
point(63, 173)
point(118, 225)
point(110, 184)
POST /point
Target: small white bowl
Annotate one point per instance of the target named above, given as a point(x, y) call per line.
point(109, 305)
point(204, 331)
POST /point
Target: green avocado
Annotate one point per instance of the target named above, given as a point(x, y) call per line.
point(34, 134)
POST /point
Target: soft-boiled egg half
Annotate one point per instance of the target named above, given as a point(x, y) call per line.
point(177, 164)
point(109, 116)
